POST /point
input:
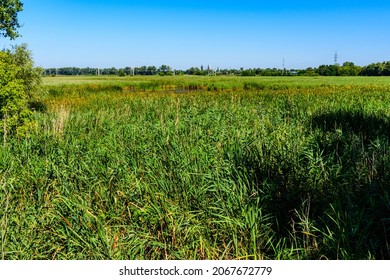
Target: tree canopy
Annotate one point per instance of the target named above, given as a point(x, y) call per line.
point(9, 23)
point(19, 81)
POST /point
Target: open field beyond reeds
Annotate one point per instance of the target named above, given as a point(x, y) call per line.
point(200, 168)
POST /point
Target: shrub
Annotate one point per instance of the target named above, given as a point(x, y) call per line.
point(19, 83)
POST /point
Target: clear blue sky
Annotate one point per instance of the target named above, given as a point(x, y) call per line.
point(224, 34)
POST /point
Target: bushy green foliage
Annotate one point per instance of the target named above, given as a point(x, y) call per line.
point(19, 81)
point(377, 69)
point(293, 168)
point(8, 18)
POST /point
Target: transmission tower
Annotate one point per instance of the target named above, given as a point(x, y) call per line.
point(335, 59)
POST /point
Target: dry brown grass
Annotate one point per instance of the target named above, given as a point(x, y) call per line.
point(60, 118)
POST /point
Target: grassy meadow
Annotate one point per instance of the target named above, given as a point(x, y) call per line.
point(200, 168)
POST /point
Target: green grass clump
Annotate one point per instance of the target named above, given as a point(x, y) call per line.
point(248, 168)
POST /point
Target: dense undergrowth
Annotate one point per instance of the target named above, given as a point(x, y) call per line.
point(249, 169)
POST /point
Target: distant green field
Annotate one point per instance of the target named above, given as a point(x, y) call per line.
point(227, 81)
point(200, 168)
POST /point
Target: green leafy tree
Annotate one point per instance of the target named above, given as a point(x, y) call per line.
point(121, 72)
point(19, 83)
point(9, 18)
point(19, 80)
point(165, 70)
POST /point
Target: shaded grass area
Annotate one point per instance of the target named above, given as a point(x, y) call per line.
point(243, 174)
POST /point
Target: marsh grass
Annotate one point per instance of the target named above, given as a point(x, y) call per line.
point(292, 171)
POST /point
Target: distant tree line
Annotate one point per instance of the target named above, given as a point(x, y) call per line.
point(350, 69)
point(346, 69)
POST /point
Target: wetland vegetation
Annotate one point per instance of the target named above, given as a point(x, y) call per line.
point(200, 168)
